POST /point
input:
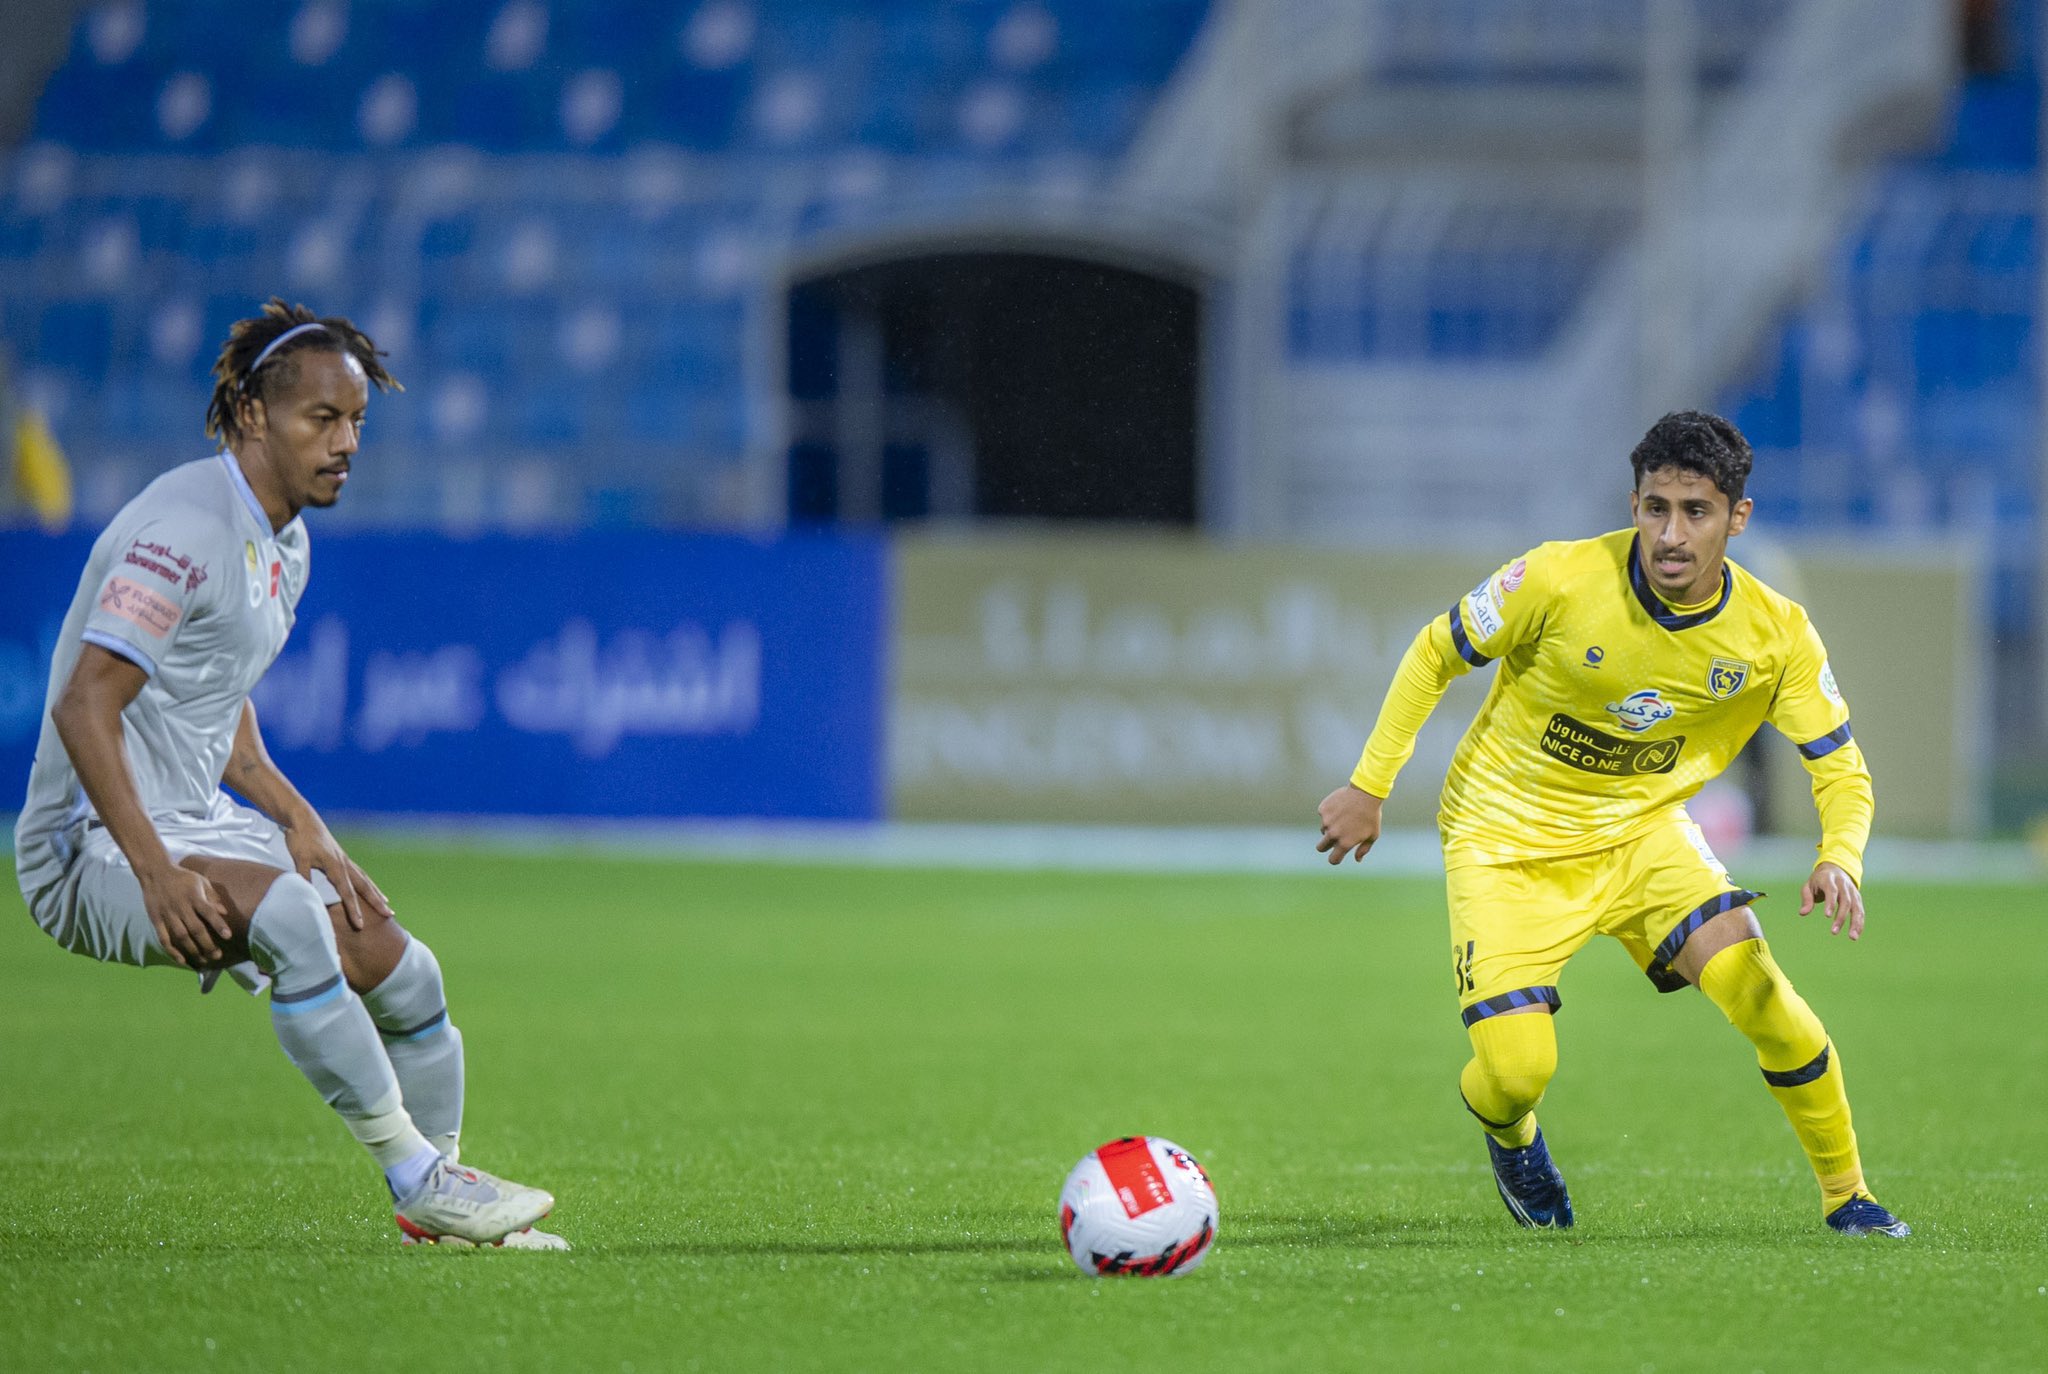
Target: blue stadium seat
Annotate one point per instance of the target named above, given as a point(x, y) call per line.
point(225, 153)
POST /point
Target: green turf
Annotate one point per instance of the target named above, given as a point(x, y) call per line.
point(816, 1119)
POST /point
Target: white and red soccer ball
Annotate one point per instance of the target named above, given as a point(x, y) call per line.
point(1140, 1206)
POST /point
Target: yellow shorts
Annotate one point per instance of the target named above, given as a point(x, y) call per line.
point(1514, 925)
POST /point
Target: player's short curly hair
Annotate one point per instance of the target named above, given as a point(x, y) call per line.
point(1695, 441)
point(247, 370)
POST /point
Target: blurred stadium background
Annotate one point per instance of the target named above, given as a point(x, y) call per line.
point(1035, 410)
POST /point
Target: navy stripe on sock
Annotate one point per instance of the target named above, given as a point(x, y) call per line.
point(1509, 1001)
point(1660, 962)
point(308, 994)
point(1793, 1078)
point(1828, 743)
point(1461, 643)
point(1496, 1125)
point(414, 1032)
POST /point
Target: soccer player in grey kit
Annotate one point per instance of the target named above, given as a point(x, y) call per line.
point(129, 852)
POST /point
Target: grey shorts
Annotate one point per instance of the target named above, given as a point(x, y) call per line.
point(96, 908)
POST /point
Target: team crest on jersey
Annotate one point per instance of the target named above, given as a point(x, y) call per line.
point(1638, 711)
point(1511, 580)
point(1725, 677)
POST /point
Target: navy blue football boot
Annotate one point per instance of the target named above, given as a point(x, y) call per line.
point(1862, 1216)
point(1532, 1187)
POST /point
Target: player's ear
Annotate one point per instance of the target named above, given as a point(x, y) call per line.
point(249, 414)
point(1738, 519)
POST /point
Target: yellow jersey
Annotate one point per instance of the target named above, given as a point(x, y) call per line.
point(1611, 707)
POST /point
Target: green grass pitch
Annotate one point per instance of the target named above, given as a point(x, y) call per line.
point(811, 1118)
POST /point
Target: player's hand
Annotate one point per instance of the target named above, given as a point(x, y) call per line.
point(189, 920)
point(1351, 823)
point(312, 846)
point(1836, 893)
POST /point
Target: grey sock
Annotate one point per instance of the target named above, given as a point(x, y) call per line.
point(320, 1023)
point(410, 1010)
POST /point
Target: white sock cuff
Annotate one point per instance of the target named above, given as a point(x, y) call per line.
point(388, 1134)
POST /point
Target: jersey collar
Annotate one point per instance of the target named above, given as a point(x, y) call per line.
point(248, 495)
point(1663, 614)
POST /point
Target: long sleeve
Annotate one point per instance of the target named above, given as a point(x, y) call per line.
point(1843, 795)
point(1419, 684)
point(1487, 622)
point(1810, 711)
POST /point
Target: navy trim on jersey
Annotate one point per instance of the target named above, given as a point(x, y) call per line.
point(1826, 744)
point(1663, 614)
point(1659, 971)
point(1509, 1001)
point(1806, 1073)
point(1460, 642)
point(120, 648)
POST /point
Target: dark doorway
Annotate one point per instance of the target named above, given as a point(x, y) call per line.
point(993, 384)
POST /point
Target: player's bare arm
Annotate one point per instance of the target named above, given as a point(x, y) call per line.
point(252, 773)
point(187, 914)
point(1351, 823)
point(1836, 894)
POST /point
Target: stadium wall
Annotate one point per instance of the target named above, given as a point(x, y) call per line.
point(616, 674)
point(1084, 678)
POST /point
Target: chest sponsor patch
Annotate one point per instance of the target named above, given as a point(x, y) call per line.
point(1578, 745)
point(1638, 711)
point(141, 606)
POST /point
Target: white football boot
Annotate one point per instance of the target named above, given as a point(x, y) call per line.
point(462, 1203)
point(530, 1239)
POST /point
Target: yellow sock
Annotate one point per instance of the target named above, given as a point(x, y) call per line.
point(1803, 1070)
point(1513, 1058)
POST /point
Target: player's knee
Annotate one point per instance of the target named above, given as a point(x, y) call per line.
point(410, 1002)
point(1744, 982)
point(1513, 1060)
point(1500, 1099)
point(290, 932)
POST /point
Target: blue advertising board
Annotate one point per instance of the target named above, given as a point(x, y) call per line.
point(627, 674)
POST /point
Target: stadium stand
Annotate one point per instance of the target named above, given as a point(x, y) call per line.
point(1905, 395)
point(552, 216)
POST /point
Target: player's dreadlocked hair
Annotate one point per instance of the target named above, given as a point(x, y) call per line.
point(1698, 442)
point(247, 369)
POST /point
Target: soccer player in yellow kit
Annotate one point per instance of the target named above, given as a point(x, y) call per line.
point(1632, 668)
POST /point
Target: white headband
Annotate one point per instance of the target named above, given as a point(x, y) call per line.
point(275, 344)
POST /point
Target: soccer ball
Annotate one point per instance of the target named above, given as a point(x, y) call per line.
point(1140, 1206)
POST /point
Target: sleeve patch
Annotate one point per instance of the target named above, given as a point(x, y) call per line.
point(141, 606)
point(1828, 688)
point(165, 562)
point(1483, 619)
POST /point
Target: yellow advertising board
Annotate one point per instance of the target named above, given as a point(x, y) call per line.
point(1171, 680)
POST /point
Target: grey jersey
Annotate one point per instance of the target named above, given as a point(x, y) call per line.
point(190, 584)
